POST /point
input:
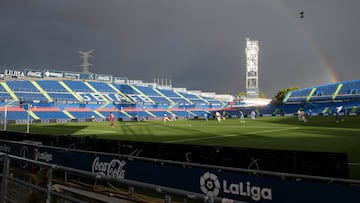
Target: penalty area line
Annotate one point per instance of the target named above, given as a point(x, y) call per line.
point(98, 131)
point(83, 131)
point(199, 138)
point(230, 135)
point(269, 131)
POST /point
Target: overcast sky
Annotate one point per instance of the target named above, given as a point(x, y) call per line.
point(199, 44)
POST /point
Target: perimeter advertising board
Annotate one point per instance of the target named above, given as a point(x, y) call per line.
point(120, 80)
point(34, 73)
point(53, 74)
point(87, 76)
point(71, 75)
point(236, 186)
point(104, 78)
point(14, 73)
point(65, 75)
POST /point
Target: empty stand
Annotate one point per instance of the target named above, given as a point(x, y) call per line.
point(25, 91)
point(82, 113)
point(50, 113)
point(324, 92)
point(349, 89)
point(77, 86)
point(56, 91)
point(102, 87)
point(14, 113)
point(51, 86)
point(194, 98)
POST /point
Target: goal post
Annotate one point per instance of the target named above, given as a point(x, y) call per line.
point(17, 113)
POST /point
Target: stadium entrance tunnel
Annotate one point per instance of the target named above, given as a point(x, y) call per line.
point(286, 161)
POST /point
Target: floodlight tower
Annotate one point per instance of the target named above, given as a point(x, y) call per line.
point(252, 58)
point(85, 55)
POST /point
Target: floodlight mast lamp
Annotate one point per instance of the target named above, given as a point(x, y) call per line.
point(252, 60)
point(86, 55)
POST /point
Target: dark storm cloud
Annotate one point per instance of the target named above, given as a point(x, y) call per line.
point(199, 44)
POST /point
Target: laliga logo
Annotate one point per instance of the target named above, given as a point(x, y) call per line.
point(42, 155)
point(210, 185)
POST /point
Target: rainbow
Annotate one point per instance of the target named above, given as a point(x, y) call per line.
point(328, 70)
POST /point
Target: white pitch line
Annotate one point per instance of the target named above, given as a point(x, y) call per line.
point(220, 126)
point(230, 135)
point(100, 131)
point(89, 130)
point(199, 138)
point(268, 131)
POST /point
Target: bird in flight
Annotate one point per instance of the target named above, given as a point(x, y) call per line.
point(301, 14)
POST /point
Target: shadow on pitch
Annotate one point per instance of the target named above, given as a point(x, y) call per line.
point(135, 128)
point(58, 129)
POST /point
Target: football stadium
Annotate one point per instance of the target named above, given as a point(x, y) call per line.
point(84, 137)
point(184, 101)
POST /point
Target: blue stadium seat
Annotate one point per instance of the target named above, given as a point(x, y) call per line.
point(5, 96)
point(148, 91)
point(349, 89)
point(51, 86)
point(324, 92)
point(102, 87)
point(126, 89)
point(30, 96)
point(77, 86)
point(159, 100)
point(21, 86)
point(62, 97)
point(51, 115)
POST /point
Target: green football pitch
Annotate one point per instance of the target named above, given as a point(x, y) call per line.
point(320, 133)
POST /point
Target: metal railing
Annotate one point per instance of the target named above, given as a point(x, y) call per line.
point(50, 192)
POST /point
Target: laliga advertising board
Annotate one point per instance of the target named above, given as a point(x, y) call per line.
point(230, 185)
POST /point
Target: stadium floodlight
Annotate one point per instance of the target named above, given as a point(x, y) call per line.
point(85, 55)
point(252, 74)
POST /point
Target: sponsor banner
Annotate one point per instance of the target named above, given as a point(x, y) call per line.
point(105, 78)
point(120, 80)
point(135, 82)
point(53, 74)
point(14, 73)
point(114, 97)
point(87, 76)
point(34, 73)
point(88, 97)
point(71, 75)
point(139, 98)
point(238, 186)
point(112, 166)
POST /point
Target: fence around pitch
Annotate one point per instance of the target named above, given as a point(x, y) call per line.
point(51, 193)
